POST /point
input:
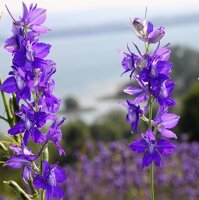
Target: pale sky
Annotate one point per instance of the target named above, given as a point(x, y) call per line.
point(165, 7)
point(73, 13)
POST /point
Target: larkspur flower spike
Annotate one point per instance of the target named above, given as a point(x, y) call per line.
point(30, 82)
point(151, 70)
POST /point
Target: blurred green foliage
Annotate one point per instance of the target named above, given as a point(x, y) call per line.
point(189, 122)
point(111, 126)
point(185, 68)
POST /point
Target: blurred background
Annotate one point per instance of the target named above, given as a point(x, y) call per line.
point(86, 36)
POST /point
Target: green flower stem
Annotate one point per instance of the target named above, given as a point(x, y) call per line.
point(34, 192)
point(152, 182)
point(151, 167)
point(150, 127)
point(45, 156)
point(20, 192)
point(3, 118)
point(5, 149)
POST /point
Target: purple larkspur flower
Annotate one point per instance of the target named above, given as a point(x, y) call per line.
point(140, 94)
point(54, 134)
point(133, 115)
point(23, 159)
point(130, 62)
point(32, 19)
point(49, 180)
point(29, 123)
point(155, 70)
point(146, 32)
point(165, 121)
point(19, 82)
point(31, 54)
point(162, 93)
point(151, 149)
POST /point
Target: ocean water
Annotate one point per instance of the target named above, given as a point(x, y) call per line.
point(88, 66)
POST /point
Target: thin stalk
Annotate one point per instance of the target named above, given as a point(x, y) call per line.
point(19, 191)
point(34, 192)
point(45, 156)
point(152, 182)
point(3, 118)
point(152, 191)
point(151, 167)
point(5, 149)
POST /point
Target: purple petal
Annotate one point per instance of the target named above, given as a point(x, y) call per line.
point(133, 90)
point(45, 166)
point(37, 136)
point(157, 158)
point(17, 128)
point(39, 182)
point(170, 87)
point(169, 120)
point(149, 27)
point(60, 175)
point(25, 93)
point(150, 134)
point(25, 11)
point(156, 35)
point(27, 172)
point(167, 133)
point(40, 29)
point(163, 54)
point(164, 67)
point(42, 49)
point(9, 85)
point(11, 45)
point(169, 102)
point(139, 146)
point(37, 16)
point(60, 149)
point(26, 137)
point(165, 147)
point(40, 118)
point(159, 114)
point(15, 148)
point(49, 192)
point(147, 160)
point(17, 162)
point(58, 192)
point(142, 97)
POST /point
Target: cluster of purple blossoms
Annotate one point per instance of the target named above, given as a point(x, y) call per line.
point(30, 80)
point(151, 71)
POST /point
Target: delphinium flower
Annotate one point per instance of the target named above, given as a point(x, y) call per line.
point(33, 105)
point(150, 69)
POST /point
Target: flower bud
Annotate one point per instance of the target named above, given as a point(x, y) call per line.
point(138, 24)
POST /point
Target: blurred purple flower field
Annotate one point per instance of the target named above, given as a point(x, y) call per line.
point(111, 171)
